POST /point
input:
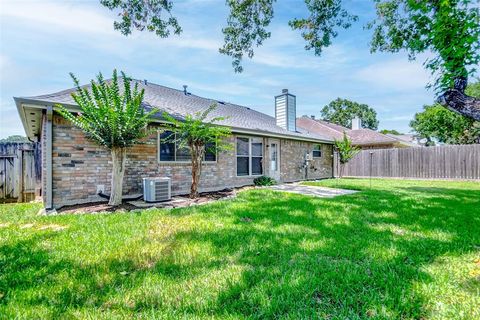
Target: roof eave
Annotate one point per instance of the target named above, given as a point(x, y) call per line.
point(75, 108)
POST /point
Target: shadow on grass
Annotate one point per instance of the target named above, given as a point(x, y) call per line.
point(353, 256)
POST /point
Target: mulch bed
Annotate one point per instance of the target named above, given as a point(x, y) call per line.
point(175, 202)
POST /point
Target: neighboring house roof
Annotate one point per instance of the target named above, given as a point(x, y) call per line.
point(359, 137)
point(406, 139)
point(179, 104)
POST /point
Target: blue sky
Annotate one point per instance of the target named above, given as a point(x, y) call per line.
point(42, 41)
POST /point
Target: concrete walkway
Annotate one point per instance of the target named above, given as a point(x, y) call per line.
point(311, 190)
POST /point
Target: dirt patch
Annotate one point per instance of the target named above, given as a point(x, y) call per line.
point(175, 202)
point(95, 207)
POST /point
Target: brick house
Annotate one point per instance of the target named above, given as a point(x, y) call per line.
point(75, 170)
point(361, 137)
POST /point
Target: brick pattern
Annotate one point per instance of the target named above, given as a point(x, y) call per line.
point(292, 161)
point(79, 166)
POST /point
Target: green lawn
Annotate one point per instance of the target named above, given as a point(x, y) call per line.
point(400, 249)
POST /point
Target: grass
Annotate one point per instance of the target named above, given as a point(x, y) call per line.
point(400, 249)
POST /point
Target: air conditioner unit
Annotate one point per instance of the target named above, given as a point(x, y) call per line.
point(157, 189)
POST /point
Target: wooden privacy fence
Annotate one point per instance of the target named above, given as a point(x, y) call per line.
point(442, 162)
point(20, 171)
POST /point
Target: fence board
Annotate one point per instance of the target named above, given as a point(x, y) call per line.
point(19, 171)
point(441, 162)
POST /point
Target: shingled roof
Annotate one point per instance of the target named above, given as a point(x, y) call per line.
point(334, 131)
point(179, 104)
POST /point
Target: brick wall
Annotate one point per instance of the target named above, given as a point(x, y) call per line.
point(293, 158)
point(79, 166)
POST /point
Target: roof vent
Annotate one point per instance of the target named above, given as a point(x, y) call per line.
point(145, 82)
point(185, 89)
point(284, 90)
point(312, 117)
point(221, 102)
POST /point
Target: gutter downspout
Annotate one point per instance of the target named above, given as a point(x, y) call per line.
point(48, 159)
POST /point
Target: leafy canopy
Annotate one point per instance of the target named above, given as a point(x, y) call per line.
point(111, 117)
point(438, 123)
point(346, 151)
point(198, 130)
point(144, 14)
point(342, 111)
point(390, 131)
point(449, 29)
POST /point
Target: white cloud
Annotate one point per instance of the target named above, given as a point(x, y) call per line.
point(61, 15)
point(396, 75)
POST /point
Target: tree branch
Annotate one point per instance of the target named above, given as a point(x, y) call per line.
point(457, 101)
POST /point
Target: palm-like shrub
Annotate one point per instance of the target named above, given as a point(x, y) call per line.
point(264, 181)
point(113, 118)
point(198, 134)
point(346, 151)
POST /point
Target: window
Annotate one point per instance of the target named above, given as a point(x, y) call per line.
point(249, 156)
point(317, 151)
point(169, 151)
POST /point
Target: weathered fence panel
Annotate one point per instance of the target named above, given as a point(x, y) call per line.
point(20, 171)
point(441, 162)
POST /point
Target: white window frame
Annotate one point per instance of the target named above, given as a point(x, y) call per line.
point(313, 150)
point(175, 155)
point(250, 156)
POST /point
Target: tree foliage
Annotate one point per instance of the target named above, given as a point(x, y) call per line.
point(346, 151)
point(342, 111)
point(111, 117)
point(322, 24)
point(198, 133)
point(246, 28)
point(144, 14)
point(448, 30)
point(390, 131)
point(438, 123)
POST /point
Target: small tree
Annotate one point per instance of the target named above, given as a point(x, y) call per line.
point(346, 151)
point(199, 135)
point(113, 119)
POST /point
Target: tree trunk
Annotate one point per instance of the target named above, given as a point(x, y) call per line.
point(342, 165)
point(119, 155)
point(196, 152)
point(456, 100)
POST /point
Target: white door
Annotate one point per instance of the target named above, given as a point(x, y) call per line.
point(274, 167)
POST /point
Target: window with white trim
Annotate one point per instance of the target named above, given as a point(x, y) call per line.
point(249, 156)
point(169, 151)
point(317, 151)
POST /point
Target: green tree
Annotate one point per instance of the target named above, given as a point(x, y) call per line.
point(448, 30)
point(152, 15)
point(14, 138)
point(346, 151)
point(388, 131)
point(113, 118)
point(342, 111)
point(438, 123)
point(198, 133)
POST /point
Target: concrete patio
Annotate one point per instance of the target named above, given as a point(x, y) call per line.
point(311, 190)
